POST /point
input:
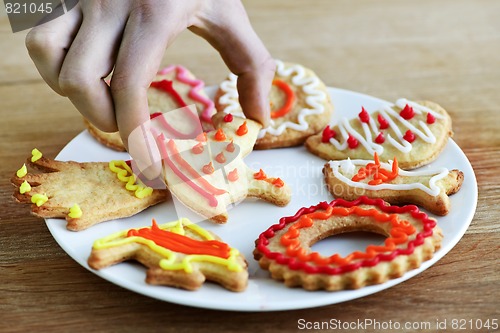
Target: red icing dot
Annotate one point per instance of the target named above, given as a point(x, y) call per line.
point(352, 142)
point(364, 116)
point(328, 133)
point(197, 149)
point(220, 158)
point(208, 168)
point(380, 138)
point(219, 135)
point(233, 175)
point(430, 118)
point(383, 123)
point(409, 136)
point(407, 113)
point(230, 147)
point(228, 118)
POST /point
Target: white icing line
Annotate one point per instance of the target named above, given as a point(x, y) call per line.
point(371, 129)
point(418, 107)
point(432, 189)
point(309, 86)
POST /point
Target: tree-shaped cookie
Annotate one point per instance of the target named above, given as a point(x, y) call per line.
point(207, 173)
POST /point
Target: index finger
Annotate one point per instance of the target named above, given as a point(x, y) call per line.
point(245, 55)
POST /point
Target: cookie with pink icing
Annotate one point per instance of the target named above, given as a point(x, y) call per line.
point(173, 87)
point(208, 174)
point(414, 133)
point(300, 105)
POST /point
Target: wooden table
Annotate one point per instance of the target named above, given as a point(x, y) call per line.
point(442, 50)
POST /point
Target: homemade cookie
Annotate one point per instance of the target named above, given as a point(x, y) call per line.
point(349, 179)
point(285, 248)
point(414, 133)
point(207, 174)
point(178, 254)
point(174, 87)
point(82, 193)
point(300, 105)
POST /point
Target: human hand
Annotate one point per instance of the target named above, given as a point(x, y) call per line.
point(76, 51)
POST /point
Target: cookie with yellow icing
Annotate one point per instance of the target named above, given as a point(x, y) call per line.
point(300, 105)
point(83, 193)
point(285, 248)
point(173, 87)
point(413, 132)
point(208, 174)
point(429, 188)
point(178, 254)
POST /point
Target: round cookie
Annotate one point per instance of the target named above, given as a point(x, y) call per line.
point(300, 105)
point(284, 249)
point(174, 87)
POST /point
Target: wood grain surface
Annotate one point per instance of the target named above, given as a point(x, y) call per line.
point(447, 51)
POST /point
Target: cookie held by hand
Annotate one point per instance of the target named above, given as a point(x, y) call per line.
point(285, 248)
point(178, 254)
point(300, 105)
point(83, 193)
point(414, 133)
point(207, 174)
point(429, 189)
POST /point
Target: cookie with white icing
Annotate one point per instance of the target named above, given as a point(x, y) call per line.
point(173, 87)
point(413, 132)
point(300, 105)
point(429, 188)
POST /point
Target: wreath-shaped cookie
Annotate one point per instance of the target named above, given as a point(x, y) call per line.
point(285, 248)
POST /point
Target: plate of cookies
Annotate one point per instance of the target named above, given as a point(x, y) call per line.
point(342, 196)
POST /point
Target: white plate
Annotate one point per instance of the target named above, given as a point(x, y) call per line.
point(302, 171)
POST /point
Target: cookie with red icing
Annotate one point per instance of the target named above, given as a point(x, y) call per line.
point(208, 173)
point(413, 132)
point(285, 248)
point(300, 105)
point(174, 87)
point(429, 188)
point(178, 254)
point(82, 193)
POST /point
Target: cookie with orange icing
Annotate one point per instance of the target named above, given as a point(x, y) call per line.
point(208, 174)
point(174, 87)
point(429, 188)
point(178, 254)
point(300, 105)
point(413, 132)
point(285, 248)
point(82, 193)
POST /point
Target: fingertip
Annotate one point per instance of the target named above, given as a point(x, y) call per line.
point(144, 151)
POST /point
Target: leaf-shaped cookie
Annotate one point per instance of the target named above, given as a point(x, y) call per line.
point(414, 133)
